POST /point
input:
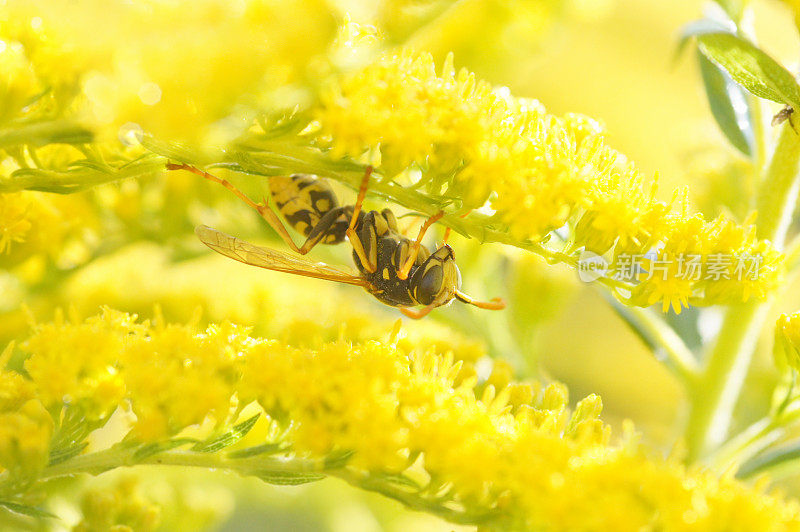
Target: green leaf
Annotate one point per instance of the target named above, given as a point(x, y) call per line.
point(265, 448)
point(281, 478)
point(399, 480)
point(785, 458)
point(150, 449)
point(176, 151)
point(78, 177)
point(69, 439)
point(227, 439)
point(729, 105)
point(338, 459)
point(30, 511)
point(65, 453)
point(686, 325)
point(751, 68)
point(43, 133)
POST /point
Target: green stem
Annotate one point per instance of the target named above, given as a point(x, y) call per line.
point(757, 118)
point(125, 455)
point(793, 254)
point(679, 357)
point(717, 390)
point(261, 466)
point(777, 193)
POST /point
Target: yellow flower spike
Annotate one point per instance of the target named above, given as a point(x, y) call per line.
point(424, 334)
point(501, 376)
point(380, 406)
point(15, 390)
point(18, 83)
point(538, 172)
point(554, 397)
point(5, 356)
point(580, 126)
point(189, 92)
point(120, 508)
point(44, 226)
point(589, 407)
point(25, 434)
point(665, 285)
point(75, 363)
point(14, 220)
point(176, 378)
point(520, 394)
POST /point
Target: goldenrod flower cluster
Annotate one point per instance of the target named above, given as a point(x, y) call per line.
point(25, 426)
point(219, 53)
point(33, 224)
point(504, 455)
point(122, 509)
point(540, 173)
point(13, 219)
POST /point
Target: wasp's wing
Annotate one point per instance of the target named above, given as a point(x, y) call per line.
point(271, 259)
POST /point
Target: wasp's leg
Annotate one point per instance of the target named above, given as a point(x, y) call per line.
point(391, 220)
point(447, 231)
point(495, 304)
point(322, 229)
point(402, 273)
point(417, 314)
point(351, 229)
point(265, 211)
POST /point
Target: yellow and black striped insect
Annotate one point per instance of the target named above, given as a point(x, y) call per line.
point(396, 270)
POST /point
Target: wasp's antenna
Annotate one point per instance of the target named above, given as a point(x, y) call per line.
point(495, 304)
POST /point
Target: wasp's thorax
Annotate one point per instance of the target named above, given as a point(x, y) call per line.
point(432, 280)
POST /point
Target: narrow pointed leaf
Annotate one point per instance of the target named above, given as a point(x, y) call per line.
point(338, 459)
point(155, 448)
point(266, 448)
point(288, 479)
point(784, 458)
point(63, 454)
point(729, 105)
point(751, 68)
point(24, 509)
point(399, 480)
point(227, 439)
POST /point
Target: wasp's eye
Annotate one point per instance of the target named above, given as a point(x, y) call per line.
point(429, 285)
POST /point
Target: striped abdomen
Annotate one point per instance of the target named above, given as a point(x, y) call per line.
point(303, 200)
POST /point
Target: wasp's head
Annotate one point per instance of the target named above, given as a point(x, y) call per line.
point(436, 280)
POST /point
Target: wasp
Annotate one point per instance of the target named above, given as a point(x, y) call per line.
point(396, 270)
